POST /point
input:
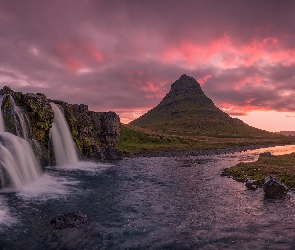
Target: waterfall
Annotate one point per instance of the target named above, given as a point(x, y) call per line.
point(18, 160)
point(2, 126)
point(63, 143)
point(18, 164)
point(21, 120)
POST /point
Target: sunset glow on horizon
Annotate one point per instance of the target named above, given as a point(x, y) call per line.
point(123, 55)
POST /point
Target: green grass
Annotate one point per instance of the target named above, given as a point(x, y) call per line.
point(282, 167)
point(135, 140)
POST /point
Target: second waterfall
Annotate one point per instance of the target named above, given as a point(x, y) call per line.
point(63, 143)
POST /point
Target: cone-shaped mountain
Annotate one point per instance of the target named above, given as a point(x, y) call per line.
point(186, 110)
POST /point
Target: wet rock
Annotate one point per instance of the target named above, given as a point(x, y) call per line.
point(75, 219)
point(88, 237)
point(291, 193)
point(274, 188)
point(225, 172)
point(251, 184)
point(265, 154)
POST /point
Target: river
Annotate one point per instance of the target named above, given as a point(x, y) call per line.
point(148, 203)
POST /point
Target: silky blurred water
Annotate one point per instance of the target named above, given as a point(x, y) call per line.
point(148, 203)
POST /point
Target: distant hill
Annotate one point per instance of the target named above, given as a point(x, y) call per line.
point(287, 133)
point(187, 111)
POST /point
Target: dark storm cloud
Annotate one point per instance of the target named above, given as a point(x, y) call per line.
point(124, 55)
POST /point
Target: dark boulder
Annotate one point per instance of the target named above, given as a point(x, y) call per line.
point(74, 219)
point(274, 188)
point(251, 184)
point(265, 154)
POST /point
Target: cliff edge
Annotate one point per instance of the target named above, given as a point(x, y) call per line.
point(95, 133)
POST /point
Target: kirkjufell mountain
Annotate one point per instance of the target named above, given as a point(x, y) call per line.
point(186, 110)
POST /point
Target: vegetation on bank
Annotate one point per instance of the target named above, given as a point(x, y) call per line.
point(282, 167)
point(135, 140)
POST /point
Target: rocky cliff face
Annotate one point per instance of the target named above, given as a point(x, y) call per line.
point(95, 133)
point(37, 116)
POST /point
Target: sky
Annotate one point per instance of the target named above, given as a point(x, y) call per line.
point(123, 55)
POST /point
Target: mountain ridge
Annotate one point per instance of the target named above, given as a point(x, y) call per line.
point(186, 110)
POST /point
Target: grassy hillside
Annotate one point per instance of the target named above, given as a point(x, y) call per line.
point(187, 111)
point(176, 121)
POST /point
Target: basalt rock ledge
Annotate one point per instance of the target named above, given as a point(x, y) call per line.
point(95, 133)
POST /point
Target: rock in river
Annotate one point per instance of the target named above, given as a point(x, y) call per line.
point(251, 184)
point(274, 188)
point(74, 219)
point(265, 154)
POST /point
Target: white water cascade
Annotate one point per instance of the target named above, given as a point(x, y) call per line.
point(63, 143)
point(2, 126)
point(21, 120)
point(17, 160)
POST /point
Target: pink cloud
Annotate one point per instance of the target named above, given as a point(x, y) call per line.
point(76, 55)
point(225, 52)
point(204, 79)
point(143, 80)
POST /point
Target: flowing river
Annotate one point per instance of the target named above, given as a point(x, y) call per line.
point(148, 203)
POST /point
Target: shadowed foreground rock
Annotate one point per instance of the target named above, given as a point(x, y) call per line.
point(274, 188)
point(75, 219)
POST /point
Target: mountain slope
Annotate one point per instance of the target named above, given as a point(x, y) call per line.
point(186, 110)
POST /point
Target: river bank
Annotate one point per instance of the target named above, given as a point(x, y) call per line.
point(278, 166)
point(205, 152)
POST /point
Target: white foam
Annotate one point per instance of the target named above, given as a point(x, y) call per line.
point(87, 166)
point(6, 217)
point(46, 187)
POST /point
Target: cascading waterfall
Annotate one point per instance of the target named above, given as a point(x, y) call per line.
point(63, 143)
point(18, 164)
point(21, 120)
point(2, 126)
point(18, 159)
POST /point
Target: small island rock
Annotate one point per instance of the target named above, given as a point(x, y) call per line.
point(274, 188)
